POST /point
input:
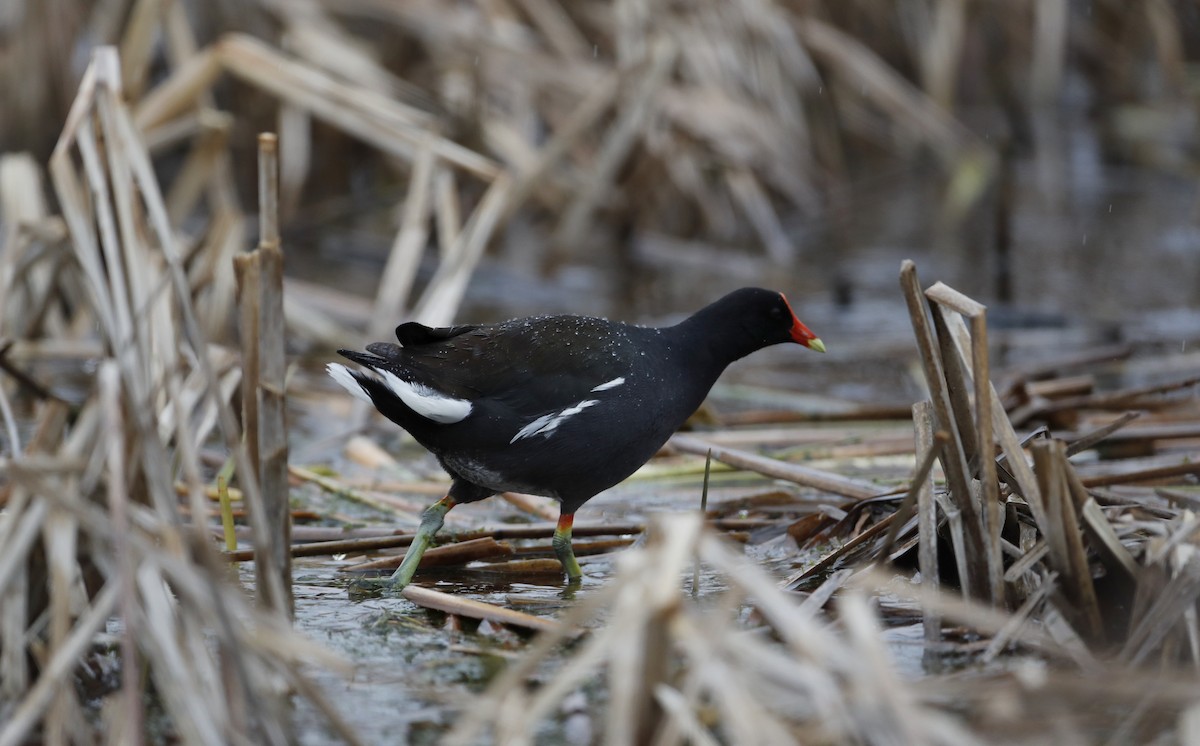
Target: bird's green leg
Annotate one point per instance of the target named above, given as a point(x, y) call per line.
point(431, 521)
point(562, 547)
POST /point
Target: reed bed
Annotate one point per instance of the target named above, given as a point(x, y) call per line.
point(93, 528)
point(1064, 588)
point(721, 123)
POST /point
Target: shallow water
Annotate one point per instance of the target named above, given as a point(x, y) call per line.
point(416, 668)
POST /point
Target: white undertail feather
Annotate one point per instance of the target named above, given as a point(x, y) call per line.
point(345, 378)
point(610, 384)
point(427, 402)
point(547, 423)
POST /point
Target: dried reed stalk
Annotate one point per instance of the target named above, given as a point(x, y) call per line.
point(1062, 534)
point(927, 521)
point(386, 124)
point(920, 481)
point(706, 677)
point(807, 476)
point(954, 459)
point(449, 283)
point(438, 601)
point(272, 424)
point(221, 670)
point(985, 408)
point(1047, 575)
point(401, 269)
point(613, 152)
point(118, 496)
point(247, 268)
point(447, 555)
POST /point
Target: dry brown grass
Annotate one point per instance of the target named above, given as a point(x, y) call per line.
point(713, 122)
point(92, 526)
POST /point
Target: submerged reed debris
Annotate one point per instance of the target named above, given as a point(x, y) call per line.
point(678, 671)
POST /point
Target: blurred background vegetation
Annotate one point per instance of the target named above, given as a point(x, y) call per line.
point(1011, 145)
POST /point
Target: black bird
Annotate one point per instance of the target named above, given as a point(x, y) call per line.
point(563, 406)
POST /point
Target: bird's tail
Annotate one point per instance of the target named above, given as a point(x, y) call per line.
point(358, 384)
point(364, 358)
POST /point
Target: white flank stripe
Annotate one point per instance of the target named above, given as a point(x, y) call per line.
point(427, 402)
point(547, 423)
point(532, 427)
point(610, 384)
point(345, 378)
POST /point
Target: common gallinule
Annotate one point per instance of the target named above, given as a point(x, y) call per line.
point(563, 406)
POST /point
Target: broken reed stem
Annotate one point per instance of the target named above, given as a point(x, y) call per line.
point(467, 607)
point(397, 540)
point(449, 555)
point(993, 516)
point(25, 380)
point(325, 548)
point(338, 488)
point(10, 425)
point(1087, 440)
point(1114, 399)
point(376, 119)
point(601, 546)
point(975, 371)
point(1108, 545)
point(954, 460)
point(1143, 475)
point(56, 673)
point(1164, 613)
point(260, 294)
point(109, 379)
point(272, 360)
point(823, 564)
point(1064, 538)
point(445, 290)
point(927, 523)
point(590, 108)
point(401, 268)
point(920, 477)
point(805, 475)
point(268, 190)
point(543, 507)
point(958, 385)
point(246, 267)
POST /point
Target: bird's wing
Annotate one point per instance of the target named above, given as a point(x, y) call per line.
point(530, 366)
point(413, 334)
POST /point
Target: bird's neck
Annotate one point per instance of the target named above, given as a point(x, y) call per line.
point(711, 339)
